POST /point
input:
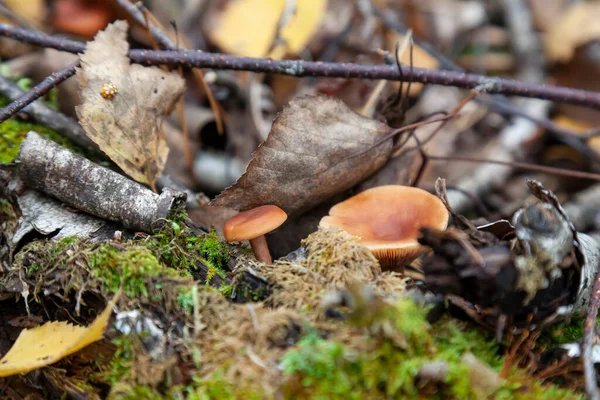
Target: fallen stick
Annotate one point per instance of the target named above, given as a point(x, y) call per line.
point(45, 166)
point(46, 116)
point(298, 68)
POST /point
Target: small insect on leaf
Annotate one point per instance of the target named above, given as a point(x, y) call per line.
point(108, 90)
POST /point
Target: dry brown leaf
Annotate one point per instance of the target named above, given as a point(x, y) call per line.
point(577, 27)
point(305, 159)
point(126, 126)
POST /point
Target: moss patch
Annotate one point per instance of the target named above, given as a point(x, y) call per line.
point(564, 332)
point(13, 132)
point(130, 268)
point(374, 366)
point(176, 247)
point(333, 326)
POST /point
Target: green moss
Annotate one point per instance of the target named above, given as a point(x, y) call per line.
point(119, 376)
point(455, 338)
point(13, 132)
point(185, 299)
point(216, 387)
point(135, 392)
point(212, 249)
point(328, 369)
point(322, 368)
point(122, 360)
point(564, 332)
point(131, 269)
point(178, 248)
point(226, 290)
point(534, 391)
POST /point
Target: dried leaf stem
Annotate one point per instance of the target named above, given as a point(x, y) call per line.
point(298, 68)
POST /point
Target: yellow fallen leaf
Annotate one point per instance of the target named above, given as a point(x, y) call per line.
point(301, 27)
point(578, 26)
point(249, 27)
point(579, 127)
point(569, 123)
point(33, 11)
point(122, 104)
point(420, 59)
point(49, 343)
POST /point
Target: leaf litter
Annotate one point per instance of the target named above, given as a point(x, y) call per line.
point(322, 322)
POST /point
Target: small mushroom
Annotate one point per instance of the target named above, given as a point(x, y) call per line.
point(252, 225)
point(387, 219)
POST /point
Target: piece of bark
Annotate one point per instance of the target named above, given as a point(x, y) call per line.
point(47, 167)
point(48, 217)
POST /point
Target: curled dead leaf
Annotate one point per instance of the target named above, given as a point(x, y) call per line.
point(125, 124)
point(307, 157)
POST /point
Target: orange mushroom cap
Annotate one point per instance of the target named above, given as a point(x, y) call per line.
point(387, 219)
point(253, 223)
point(81, 17)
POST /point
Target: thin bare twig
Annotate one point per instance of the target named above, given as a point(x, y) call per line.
point(137, 13)
point(43, 114)
point(498, 103)
point(38, 91)
point(521, 165)
point(299, 68)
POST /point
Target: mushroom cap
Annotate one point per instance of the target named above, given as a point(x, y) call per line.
point(387, 219)
point(253, 223)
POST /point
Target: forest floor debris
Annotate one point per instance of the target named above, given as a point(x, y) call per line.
point(99, 246)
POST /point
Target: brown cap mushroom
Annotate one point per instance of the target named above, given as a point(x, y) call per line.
point(388, 219)
point(252, 225)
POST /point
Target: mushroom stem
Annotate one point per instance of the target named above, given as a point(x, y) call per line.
point(261, 249)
